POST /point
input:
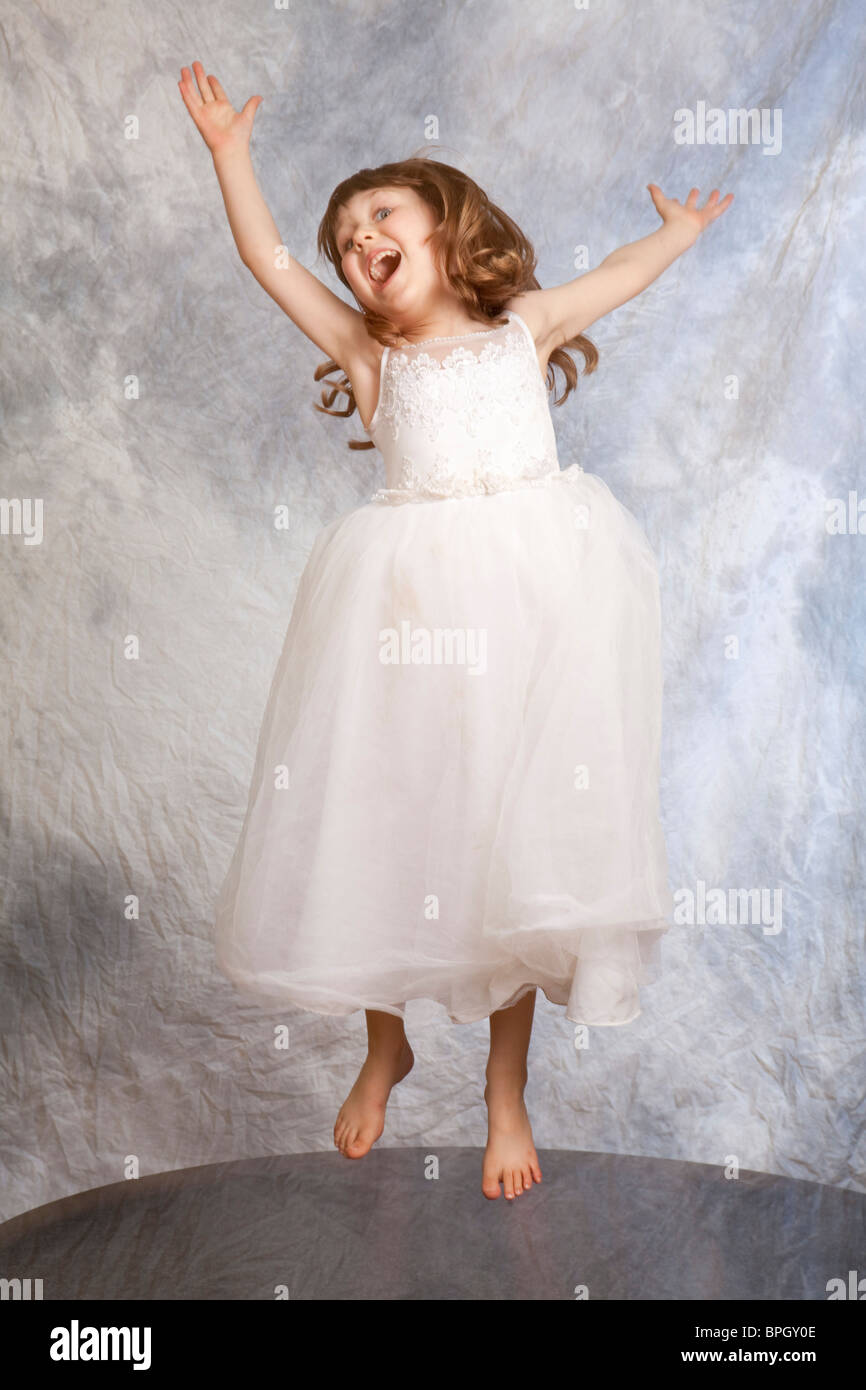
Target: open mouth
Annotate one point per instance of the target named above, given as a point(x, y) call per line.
point(383, 265)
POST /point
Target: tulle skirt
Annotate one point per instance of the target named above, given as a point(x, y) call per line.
point(455, 793)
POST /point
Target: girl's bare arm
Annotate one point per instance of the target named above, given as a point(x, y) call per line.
point(332, 325)
point(561, 313)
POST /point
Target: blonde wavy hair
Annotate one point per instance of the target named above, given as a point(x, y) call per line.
point(484, 254)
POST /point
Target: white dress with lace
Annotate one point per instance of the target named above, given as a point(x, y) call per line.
point(456, 788)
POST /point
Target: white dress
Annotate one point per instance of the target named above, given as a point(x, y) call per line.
point(455, 793)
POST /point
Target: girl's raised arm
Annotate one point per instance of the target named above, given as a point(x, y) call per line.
point(332, 325)
point(563, 312)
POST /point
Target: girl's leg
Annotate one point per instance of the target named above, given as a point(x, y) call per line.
point(389, 1057)
point(510, 1156)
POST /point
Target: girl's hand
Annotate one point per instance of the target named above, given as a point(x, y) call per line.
point(688, 213)
point(220, 126)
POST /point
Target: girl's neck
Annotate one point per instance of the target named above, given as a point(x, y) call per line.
point(442, 322)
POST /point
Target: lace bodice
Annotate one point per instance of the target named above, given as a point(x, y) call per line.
point(465, 415)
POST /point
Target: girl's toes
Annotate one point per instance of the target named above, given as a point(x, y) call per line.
point(490, 1188)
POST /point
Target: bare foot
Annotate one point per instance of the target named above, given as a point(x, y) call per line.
point(510, 1156)
point(362, 1116)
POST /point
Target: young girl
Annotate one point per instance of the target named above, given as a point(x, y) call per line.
point(455, 793)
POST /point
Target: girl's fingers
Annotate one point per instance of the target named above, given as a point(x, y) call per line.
point(192, 101)
point(217, 89)
point(711, 209)
point(249, 111)
point(204, 85)
point(188, 91)
point(717, 211)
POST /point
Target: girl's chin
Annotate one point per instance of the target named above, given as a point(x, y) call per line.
point(378, 302)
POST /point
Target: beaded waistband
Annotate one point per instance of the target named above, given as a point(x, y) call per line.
point(482, 486)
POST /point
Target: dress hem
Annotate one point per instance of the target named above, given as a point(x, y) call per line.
point(249, 986)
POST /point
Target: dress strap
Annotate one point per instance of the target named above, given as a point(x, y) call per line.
point(368, 429)
point(513, 314)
